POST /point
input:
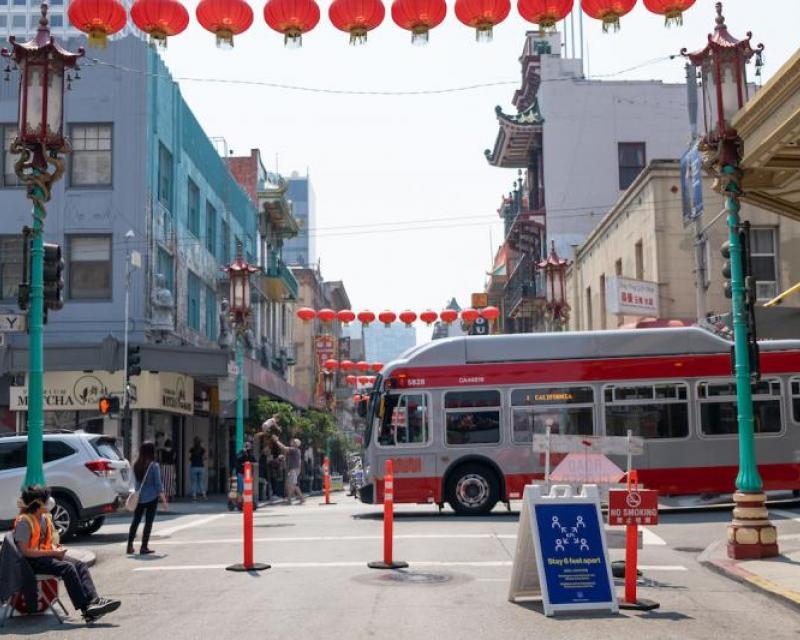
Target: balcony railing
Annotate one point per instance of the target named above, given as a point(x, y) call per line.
point(279, 283)
point(525, 287)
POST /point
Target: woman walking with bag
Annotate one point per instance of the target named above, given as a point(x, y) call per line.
point(148, 490)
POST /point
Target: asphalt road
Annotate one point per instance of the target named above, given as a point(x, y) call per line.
point(456, 587)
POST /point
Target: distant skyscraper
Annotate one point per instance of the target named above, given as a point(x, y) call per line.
point(302, 249)
point(443, 330)
point(382, 344)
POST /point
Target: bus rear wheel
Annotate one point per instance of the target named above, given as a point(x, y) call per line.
point(472, 490)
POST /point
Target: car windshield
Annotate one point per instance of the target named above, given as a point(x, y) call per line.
point(106, 448)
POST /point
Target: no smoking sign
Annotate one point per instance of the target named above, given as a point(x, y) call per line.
point(632, 507)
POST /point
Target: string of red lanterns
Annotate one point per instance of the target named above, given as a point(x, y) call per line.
point(162, 19)
point(388, 317)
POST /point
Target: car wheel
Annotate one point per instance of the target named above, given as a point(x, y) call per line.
point(473, 489)
point(65, 517)
point(90, 526)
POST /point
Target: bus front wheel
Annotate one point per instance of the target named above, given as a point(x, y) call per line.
point(472, 489)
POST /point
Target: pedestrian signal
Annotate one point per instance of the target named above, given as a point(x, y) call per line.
point(108, 405)
point(53, 277)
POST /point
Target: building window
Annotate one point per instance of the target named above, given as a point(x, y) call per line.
point(90, 268)
point(91, 157)
point(472, 417)
point(632, 158)
point(164, 177)
point(193, 305)
point(10, 266)
point(3, 3)
point(639, 258)
point(3, 20)
point(165, 267)
point(19, 3)
point(211, 314)
point(55, 3)
point(9, 174)
point(225, 256)
point(589, 308)
point(618, 267)
point(566, 410)
point(405, 421)
point(56, 20)
point(763, 259)
point(193, 200)
point(18, 22)
point(211, 229)
point(718, 413)
point(603, 301)
point(650, 411)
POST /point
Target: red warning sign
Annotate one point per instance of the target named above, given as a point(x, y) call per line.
point(632, 507)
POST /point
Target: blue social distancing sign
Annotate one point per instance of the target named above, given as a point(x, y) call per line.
point(561, 554)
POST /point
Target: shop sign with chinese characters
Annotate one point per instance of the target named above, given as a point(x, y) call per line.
point(625, 296)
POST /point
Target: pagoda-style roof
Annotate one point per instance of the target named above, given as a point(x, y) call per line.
point(519, 134)
point(276, 207)
point(722, 40)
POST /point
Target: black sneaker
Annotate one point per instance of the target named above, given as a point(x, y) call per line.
point(99, 609)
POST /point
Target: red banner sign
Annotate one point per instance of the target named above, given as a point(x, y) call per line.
point(634, 507)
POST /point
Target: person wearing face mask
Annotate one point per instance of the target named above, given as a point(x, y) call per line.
point(37, 540)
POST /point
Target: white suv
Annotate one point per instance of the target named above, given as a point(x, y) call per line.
point(86, 473)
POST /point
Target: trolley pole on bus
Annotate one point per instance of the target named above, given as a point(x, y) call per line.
point(722, 65)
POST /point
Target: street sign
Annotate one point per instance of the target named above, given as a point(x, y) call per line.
point(561, 553)
point(13, 322)
point(480, 327)
point(632, 507)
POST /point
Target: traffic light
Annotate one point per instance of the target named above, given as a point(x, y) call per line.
point(108, 405)
point(53, 277)
point(134, 360)
point(726, 269)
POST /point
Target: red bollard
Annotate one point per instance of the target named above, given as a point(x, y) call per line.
point(631, 562)
point(247, 513)
point(388, 522)
point(326, 478)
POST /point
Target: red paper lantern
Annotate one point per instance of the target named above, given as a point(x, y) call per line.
point(331, 364)
point(346, 365)
point(490, 313)
point(292, 18)
point(469, 315)
point(160, 19)
point(356, 17)
point(609, 11)
point(408, 317)
point(98, 19)
point(672, 10)
point(376, 366)
point(306, 314)
point(545, 13)
point(351, 379)
point(366, 317)
point(346, 316)
point(225, 19)
point(448, 315)
point(326, 315)
point(363, 366)
point(363, 380)
point(482, 15)
point(428, 317)
point(418, 17)
point(387, 317)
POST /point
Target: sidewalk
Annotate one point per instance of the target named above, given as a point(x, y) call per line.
point(777, 577)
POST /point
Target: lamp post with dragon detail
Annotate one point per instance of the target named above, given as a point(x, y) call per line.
point(42, 63)
point(722, 63)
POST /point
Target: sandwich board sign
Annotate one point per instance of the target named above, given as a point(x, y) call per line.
point(561, 555)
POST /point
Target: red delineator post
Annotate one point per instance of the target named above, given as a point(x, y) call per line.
point(247, 513)
point(631, 562)
point(388, 522)
point(326, 468)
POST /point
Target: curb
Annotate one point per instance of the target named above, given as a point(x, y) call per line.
point(733, 570)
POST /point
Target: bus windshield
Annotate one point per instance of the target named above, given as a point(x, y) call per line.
point(372, 409)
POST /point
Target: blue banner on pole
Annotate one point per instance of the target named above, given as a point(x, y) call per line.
point(573, 556)
point(692, 183)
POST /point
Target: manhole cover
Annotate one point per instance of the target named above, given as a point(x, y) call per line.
point(415, 577)
point(690, 549)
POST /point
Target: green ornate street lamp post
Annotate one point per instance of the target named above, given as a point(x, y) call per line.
point(239, 272)
point(42, 64)
point(722, 66)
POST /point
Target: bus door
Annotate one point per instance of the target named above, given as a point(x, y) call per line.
point(405, 437)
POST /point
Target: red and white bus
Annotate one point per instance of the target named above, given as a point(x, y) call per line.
point(457, 415)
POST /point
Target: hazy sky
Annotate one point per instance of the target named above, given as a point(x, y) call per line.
point(406, 202)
